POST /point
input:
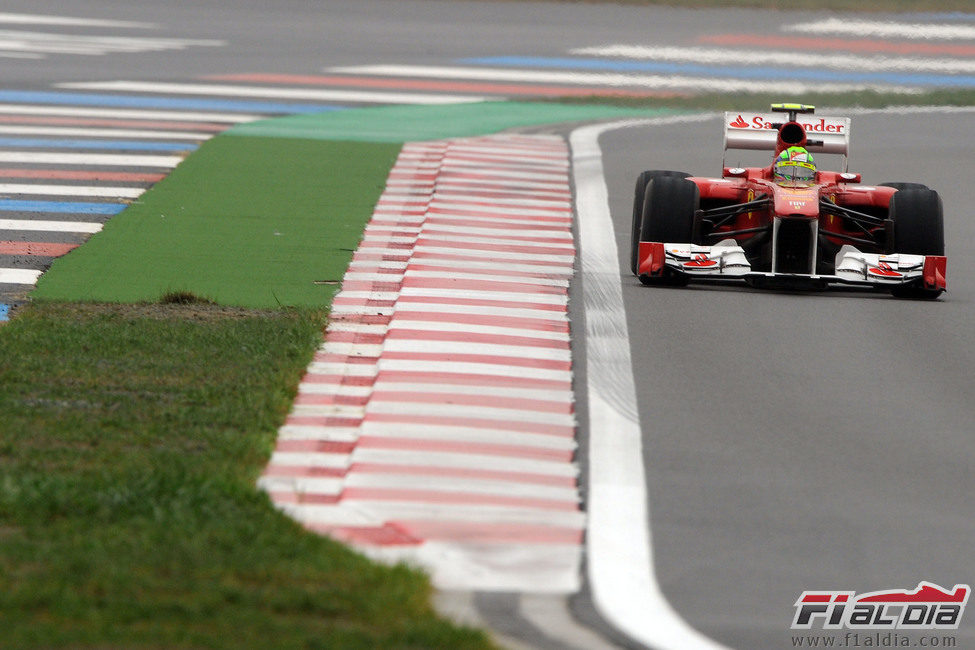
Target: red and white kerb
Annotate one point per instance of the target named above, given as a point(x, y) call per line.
point(436, 422)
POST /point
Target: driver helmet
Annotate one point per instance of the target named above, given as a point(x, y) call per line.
point(794, 165)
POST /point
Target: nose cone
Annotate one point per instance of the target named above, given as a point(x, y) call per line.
point(796, 201)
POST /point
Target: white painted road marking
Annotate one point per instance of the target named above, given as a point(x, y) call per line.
point(42, 43)
point(126, 113)
point(35, 19)
point(311, 94)
point(112, 160)
point(159, 134)
point(50, 226)
point(884, 29)
point(18, 276)
point(619, 547)
point(730, 56)
point(609, 79)
point(71, 190)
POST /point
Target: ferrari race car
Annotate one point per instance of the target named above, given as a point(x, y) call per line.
point(775, 229)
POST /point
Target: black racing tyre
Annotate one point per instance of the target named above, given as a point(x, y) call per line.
point(638, 194)
point(669, 205)
point(905, 186)
point(918, 217)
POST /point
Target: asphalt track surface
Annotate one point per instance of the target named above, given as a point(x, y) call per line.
point(301, 36)
point(792, 441)
point(805, 441)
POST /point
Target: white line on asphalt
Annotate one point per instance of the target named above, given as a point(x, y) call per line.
point(34, 19)
point(619, 545)
point(275, 93)
point(19, 276)
point(611, 79)
point(126, 113)
point(110, 160)
point(884, 29)
point(50, 226)
point(104, 133)
point(71, 190)
point(729, 56)
point(50, 43)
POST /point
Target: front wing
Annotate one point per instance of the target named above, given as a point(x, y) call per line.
point(727, 261)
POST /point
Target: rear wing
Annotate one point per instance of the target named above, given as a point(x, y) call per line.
point(760, 131)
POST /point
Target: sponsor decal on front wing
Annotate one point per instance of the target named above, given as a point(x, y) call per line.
point(722, 259)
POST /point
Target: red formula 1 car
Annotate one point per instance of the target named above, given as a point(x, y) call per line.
point(774, 228)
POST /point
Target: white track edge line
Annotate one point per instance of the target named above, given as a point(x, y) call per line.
point(620, 565)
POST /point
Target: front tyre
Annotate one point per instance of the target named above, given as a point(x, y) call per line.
point(918, 217)
point(669, 205)
point(638, 194)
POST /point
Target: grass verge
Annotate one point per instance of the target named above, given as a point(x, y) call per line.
point(131, 437)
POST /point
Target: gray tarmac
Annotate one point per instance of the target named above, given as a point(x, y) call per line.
point(805, 441)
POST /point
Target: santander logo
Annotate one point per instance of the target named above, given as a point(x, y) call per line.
point(822, 125)
point(884, 270)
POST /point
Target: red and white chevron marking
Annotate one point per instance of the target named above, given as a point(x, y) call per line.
point(436, 422)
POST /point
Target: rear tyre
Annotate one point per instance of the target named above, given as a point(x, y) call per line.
point(669, 204)
point(918, 217)
point(638, 194)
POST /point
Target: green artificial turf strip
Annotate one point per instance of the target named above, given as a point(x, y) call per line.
point(254, 222)
point(131, 437)
point(416, 123)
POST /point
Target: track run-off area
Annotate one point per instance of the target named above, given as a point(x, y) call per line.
point(436, 424)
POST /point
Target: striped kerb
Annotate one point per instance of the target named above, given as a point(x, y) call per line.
point(435, 424)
